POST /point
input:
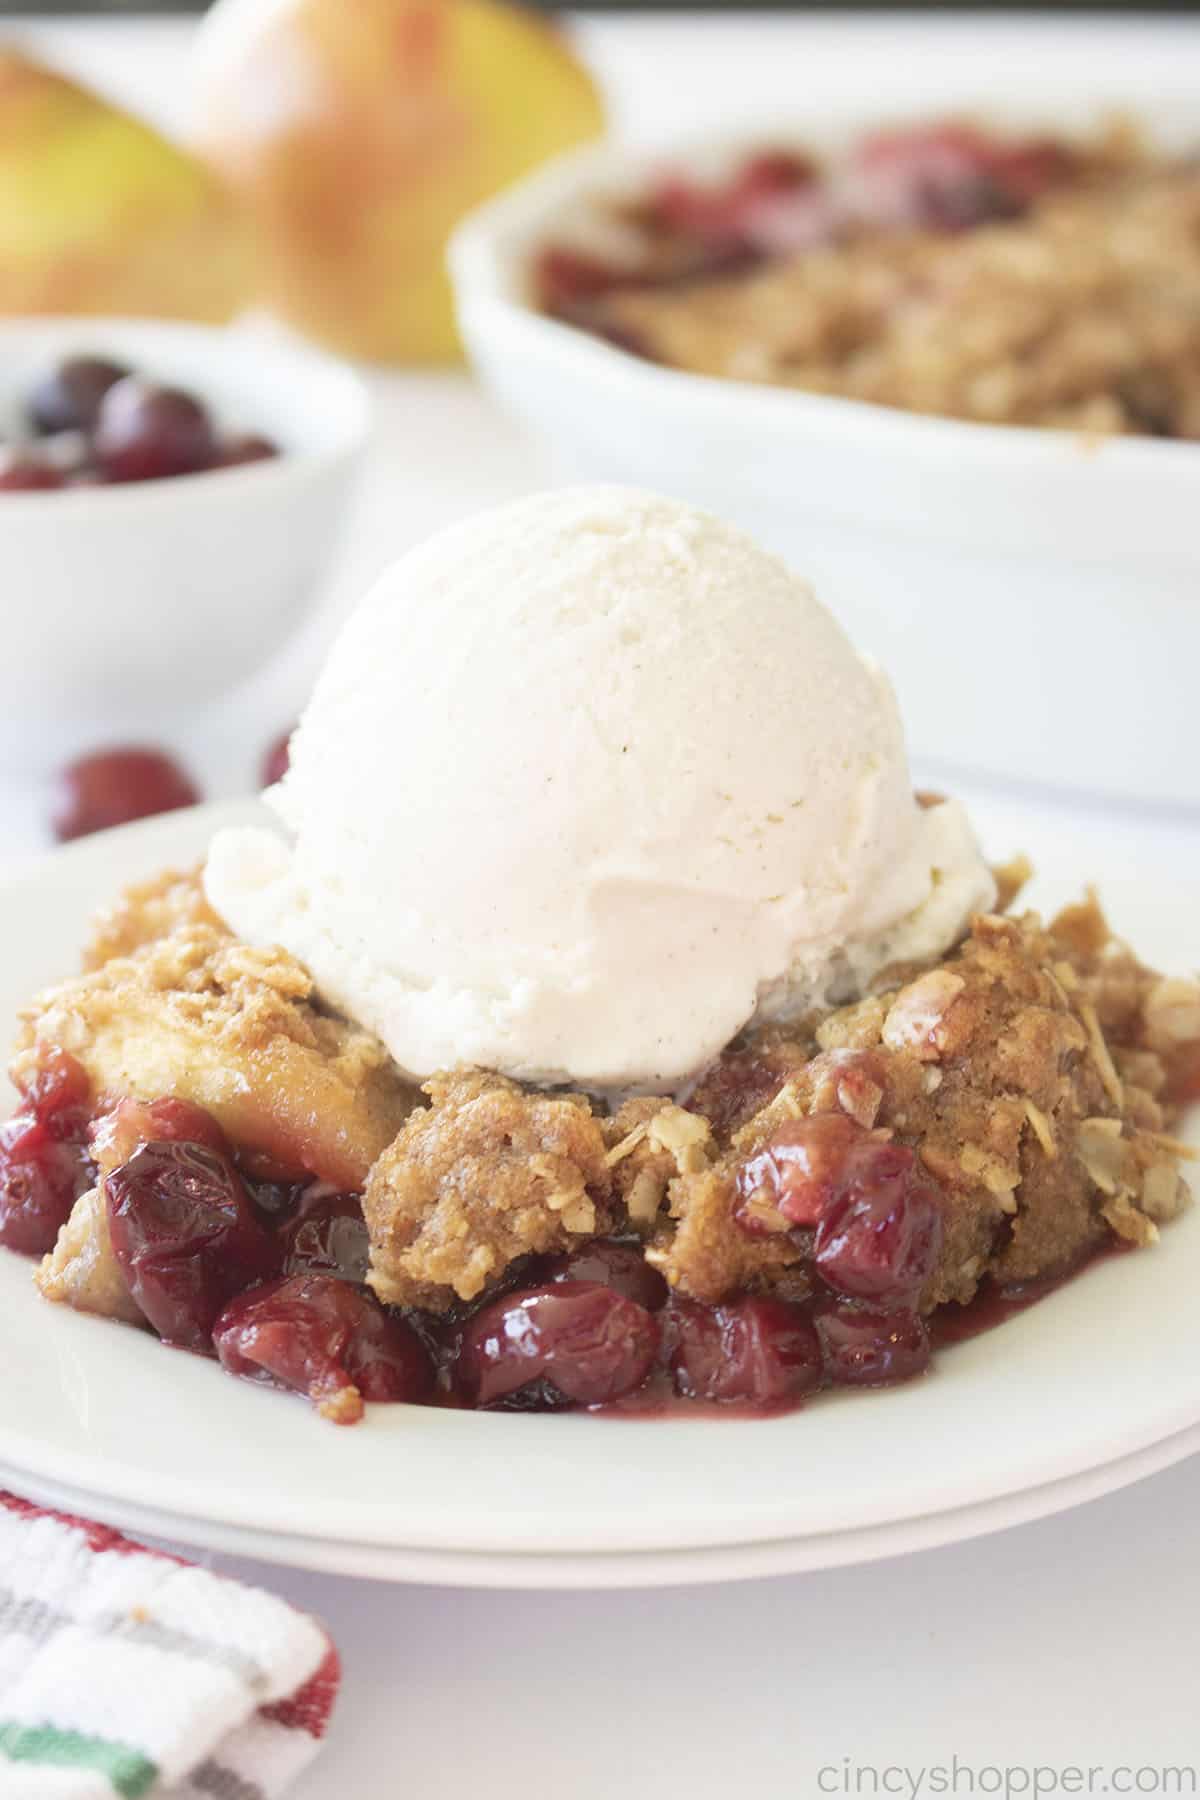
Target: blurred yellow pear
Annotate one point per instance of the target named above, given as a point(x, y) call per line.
point(99, 214)
point(358, 132)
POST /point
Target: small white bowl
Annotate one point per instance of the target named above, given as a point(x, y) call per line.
point(1035, 597)
point(144, 601)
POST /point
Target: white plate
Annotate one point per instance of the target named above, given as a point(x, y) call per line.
point(1095, 1386)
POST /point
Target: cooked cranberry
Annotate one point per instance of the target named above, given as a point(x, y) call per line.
point(584, 1342)
point(755, 1350)
point(186, 1237)
point(732, 1089)
point(323, 1337)
point(277, 760)
point(43, 1171)
point(328, 1236)
point(57, 1083)
point(941, 177)
point(621, 1267)
point(799, 1170)
point(247, 447)
point(865, 1347)
point(117, 1134)
point(1026, 170)
point(68, 399)
point(145, 432)
point(114, 787)
point(724, 215)
point(275, 1202)
point(21, 474)
point(879, 1239)
point(565, 278)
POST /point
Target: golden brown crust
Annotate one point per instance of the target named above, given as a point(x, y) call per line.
point(994, 1069)
point(147, 911)
point(205, 1018)
point(1084, 313)
point(490, 1172)
point(651, 1141)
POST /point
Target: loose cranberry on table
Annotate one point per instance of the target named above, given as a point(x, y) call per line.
point(277, 760)
point(867, 1346)
point(756, 1351)
point(68, 397)
point(574, 1343)
point(324, 1338)
point(114, 787)
point(186, 1237)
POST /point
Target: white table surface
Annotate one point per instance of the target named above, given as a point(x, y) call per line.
point(1072, 1642)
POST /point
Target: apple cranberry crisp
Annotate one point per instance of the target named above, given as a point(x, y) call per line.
point(940, 270)
point(206, 1152)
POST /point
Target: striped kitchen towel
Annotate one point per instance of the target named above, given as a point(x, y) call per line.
point(126, 1672)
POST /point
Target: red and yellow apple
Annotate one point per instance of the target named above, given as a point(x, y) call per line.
point(357, 133)
point(100, 214)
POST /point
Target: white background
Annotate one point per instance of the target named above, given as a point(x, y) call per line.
point(1070, 1642)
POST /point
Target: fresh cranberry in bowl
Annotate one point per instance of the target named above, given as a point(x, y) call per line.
point(574, 1343)
point(146, 432)
point(114, 787)
point(21, 473)
point(44, 1165)
point(621, 1267)
point(865, 1346)
point(324, 1338)
point(246, 447)
point(186, 1237)
point(68, 397)
point(756, 1351)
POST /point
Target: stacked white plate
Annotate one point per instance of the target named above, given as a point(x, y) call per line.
point(1083, 1393)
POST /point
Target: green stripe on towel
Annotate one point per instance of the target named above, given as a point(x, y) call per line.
point(130, 1773)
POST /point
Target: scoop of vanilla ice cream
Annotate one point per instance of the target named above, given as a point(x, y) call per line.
point(586, 783)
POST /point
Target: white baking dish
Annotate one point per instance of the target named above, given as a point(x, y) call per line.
point(1036, 597)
